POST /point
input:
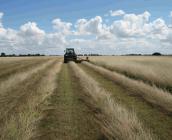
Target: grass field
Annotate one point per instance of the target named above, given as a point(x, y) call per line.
point(110, 98)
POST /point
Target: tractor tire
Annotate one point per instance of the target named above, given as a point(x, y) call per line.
point(65, 61)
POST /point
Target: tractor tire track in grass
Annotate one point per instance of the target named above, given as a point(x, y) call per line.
point(17, 121)
point(65, 116)
point(159, 122)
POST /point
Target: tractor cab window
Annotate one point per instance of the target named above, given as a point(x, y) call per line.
point(70, 51)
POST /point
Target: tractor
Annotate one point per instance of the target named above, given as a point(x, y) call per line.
point(70, 55)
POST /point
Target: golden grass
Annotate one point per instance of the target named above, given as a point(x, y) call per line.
point(64, 115)
point(24, 66)
point(151, 94)
point(4, 60)
point(48, 85)
point(116, 121)
point(19, 77)
point(154, 70)
point(12, 61)
point(21, 125)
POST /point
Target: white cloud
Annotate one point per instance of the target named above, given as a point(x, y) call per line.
point(61, 26)
point(159, 27)
point(31, 29)
point(171, 14)
point(30, 35)
point(132, 33)
point(31, 39)
point(92, 26)
point(1, 15)
point(131, 25)
point(117, 13)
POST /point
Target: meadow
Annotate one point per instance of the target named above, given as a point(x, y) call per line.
point(108, 98)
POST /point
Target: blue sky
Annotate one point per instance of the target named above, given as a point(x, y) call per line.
point(18, 12)
point(49, 26)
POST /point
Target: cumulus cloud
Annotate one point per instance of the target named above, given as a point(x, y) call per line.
point(92, 26)
point(31, 39)
point(132, 33)
point(133, 30)
point(117, 13)
point(61, 26)
point(31, 29)
point(131, 25)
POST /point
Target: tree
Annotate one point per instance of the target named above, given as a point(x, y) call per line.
point(156, 53)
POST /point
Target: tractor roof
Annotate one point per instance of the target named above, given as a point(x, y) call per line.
point(69, 48)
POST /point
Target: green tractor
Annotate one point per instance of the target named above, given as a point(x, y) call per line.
point(70, 55)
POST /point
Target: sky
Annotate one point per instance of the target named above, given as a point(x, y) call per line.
point(99, 26)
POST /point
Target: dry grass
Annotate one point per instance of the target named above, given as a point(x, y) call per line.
point(15, 92)
point(64, 115)
point(151, 94)
point(154, 70)
point(21, 125)
point(10, 69)
point(19, 77)
point(48, 85)
point(158, 121)
point(10, 62)
point(116, 121)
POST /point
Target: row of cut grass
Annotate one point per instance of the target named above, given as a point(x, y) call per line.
point(152, 70)
point(19, 77)
point(20, 124)
point(116, 121)
point(153, 95)
point(158, 122)
point(20, 67)
point(64, 116)
point(12, 96)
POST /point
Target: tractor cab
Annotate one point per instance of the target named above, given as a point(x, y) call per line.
point(70, 55)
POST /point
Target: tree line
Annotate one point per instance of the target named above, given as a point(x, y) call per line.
point(22, 55)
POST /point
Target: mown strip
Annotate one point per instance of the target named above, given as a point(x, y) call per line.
point(152, 95)
point(12, 62)
point(64, 115)
point(116, 121)
point(16, 123)
point(136, 76)
point(158, 122)
point(20, 67)
point(19, 77)
point(14, 94)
